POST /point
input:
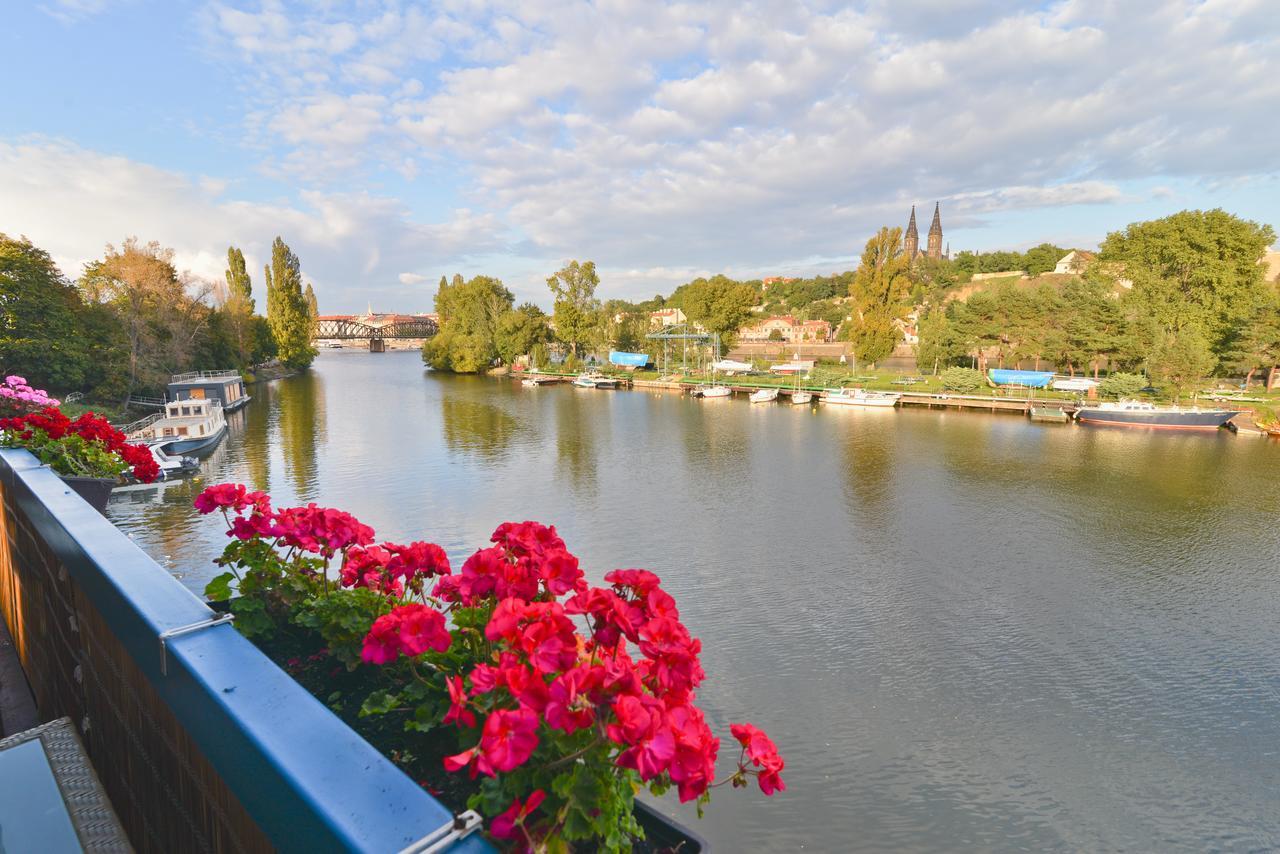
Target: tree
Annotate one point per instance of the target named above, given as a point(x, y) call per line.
point(1122, 384)
point(879, 292)
point(1181, 360)
point(313, 307)
point(962, 380)
point(519, 330)
point(574, 287)
point(41, 319)
point(469, 317)
point(719, 304)
point(1042, 258)
point(238, 309)
point(1194, 269)
point(287, 312)
point(1256, 345)
point(937, 343)
point(160, 321)
point(238, 283)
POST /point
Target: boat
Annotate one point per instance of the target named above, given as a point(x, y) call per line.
point(764, 395)
point(1075, 384)
point(606, 382)
point(172, 465)
point(1026, 379)
point(715, 391)
point(800, 398)
point(1055, 414)
point(1140, 413)
point(226, 387)
point(586, 380)
point(795, 367)
point(187, 427)
point(731, 367)
point(859, 397)
point(537, 380)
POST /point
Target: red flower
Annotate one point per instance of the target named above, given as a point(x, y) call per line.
point(458, 761)
point(569, 706)
point(504, 825)
point(382, 643)
point(508, 740)
point(639, 580)
point(421, 628)
point(458, 711)
point(763, 753)
point(559, 572)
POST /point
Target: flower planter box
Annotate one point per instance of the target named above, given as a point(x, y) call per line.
point(662, 834)
point(95, 490)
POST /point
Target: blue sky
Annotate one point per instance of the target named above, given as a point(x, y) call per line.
point(392, 142)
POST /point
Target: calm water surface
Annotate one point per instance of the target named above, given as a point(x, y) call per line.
point(965, 632)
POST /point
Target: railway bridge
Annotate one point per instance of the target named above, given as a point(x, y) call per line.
point(374, 330)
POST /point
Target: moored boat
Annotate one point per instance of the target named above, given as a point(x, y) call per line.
point(585, 380)
point(799, 398)
point(226, 387)
point(764, 395)
point(729, 367)
point(714, 391)
point(859, 397)
point(1053, 414)
point(1139, 413)
point(172, 465)
point(1075, 384)
point(188, 427)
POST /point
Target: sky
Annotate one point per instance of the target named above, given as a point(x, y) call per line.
point(392, 142)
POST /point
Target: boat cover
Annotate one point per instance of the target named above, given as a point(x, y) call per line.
point(1031, 379)
point(628, 360)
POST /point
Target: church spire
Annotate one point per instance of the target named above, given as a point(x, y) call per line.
point(911, 240)
point(935, 234)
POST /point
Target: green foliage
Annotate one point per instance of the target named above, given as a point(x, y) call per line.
point(287, 312)
point(43, 336)
point(469, 316)
point(574, 287)
point(1122, 384)
point(238, 283)
point(962, 380)
point(1181, 360)
point(719, 304)
point(520, 330)
point(342, 618)
point(71, 455)
point(1194, 269)
point(879, 293)
point(313, 306)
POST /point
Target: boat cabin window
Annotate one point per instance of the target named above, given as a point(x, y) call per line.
point(182, 431)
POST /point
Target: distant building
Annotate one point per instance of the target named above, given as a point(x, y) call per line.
point(911, 240)
point(787, 328)
point(662, 318)
point(773, 280)
point(1074, 261)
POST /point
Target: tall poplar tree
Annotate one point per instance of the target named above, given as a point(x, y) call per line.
point(574, 288)
point(313, 307)
point(287, 313)
point(238, 283)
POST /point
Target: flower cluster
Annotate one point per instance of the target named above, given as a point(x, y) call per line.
point(88, 445)
point(541, 676)
point(16, 397)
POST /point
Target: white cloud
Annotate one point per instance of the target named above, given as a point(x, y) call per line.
point(72, 202)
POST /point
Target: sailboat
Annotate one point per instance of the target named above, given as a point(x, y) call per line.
point(798, 397)
point(715, 389)
point(764, 395)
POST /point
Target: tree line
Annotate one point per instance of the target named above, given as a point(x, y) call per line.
point(131, 319)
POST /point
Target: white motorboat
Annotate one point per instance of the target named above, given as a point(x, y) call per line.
point(730, 367)
point(1075, 384)
point(859, 397)
point(172, 465)
point(585, 380)
point(716, 391)
point(800, 398)
point(764, 395)
point(188, 426)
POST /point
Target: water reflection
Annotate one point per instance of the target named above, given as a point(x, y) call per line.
point(301, 410)
point(966, 632)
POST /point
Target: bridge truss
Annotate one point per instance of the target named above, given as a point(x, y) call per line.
point(354, 330)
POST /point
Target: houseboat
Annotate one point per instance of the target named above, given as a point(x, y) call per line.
point(1139, 413)
point(187, 427)
point(226, 387)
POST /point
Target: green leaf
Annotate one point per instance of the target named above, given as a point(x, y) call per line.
point(379, 703)
point(219, 588)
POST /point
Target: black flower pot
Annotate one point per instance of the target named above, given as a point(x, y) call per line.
point(95, 490)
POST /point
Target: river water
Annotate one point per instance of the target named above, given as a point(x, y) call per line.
point(965, 631)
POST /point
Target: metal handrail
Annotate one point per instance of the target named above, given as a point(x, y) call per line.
point(204, 375)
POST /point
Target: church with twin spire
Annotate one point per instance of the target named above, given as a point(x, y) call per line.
point(911, 240)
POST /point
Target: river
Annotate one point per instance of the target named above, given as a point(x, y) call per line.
point(964, 631)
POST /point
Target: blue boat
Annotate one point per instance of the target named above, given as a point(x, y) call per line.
point(1027, 379)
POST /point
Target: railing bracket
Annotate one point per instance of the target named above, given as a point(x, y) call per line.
point(460, 826)
point(217, 620)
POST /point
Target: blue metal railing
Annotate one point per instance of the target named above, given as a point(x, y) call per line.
point(305, 778)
